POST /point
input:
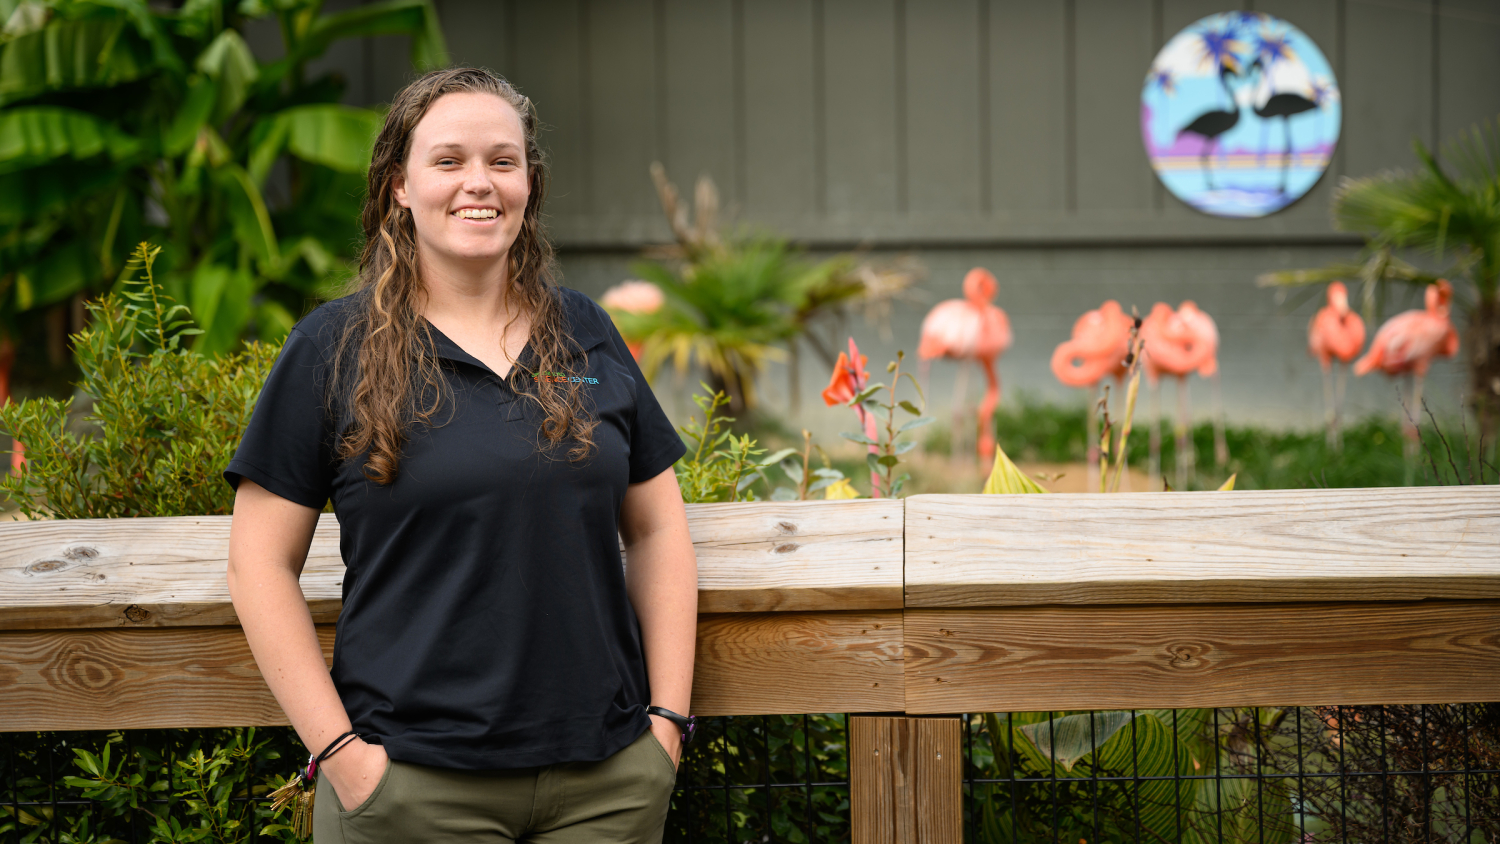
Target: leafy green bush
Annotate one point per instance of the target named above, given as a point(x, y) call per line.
point(164, 418)
point(151, 786)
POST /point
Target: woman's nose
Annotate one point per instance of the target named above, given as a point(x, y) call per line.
point(476, 180)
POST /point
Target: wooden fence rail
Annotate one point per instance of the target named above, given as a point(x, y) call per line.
point(931, 605)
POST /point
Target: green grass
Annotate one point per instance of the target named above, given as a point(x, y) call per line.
point(1263, 458)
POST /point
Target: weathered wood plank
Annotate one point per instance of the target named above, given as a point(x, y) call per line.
point(1028, 659)
point(880, 799)
point(905, 780)
point(814, 555)
point(167, 572)
point(1305, 545)
point(937, 758)
point(795, 663)
point(798, 555)
point(135, 679)
point(789, 663)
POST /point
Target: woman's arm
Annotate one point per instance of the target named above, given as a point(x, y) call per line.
point(661, 576)
point(268, 541)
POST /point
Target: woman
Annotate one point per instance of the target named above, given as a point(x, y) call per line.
point(483, 434)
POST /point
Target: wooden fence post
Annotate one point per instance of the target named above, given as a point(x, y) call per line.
point(906, 780)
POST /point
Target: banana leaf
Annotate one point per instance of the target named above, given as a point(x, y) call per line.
point(68, 54)
point(35, 135)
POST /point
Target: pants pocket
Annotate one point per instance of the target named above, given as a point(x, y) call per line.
point(385, 777)
point(662, 752)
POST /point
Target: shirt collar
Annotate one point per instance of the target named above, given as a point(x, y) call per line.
point(583, 323)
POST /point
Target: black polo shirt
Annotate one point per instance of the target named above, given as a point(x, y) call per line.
point(485, 623)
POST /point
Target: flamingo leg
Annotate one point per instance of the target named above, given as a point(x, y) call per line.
point(1341, 381)
point(1221, 442)
point(1184, 457)
point(1092, 442)
point(1410, 426)
point(1329, 414)
point(987, 410)
point(1153, 468)
point(960, 437)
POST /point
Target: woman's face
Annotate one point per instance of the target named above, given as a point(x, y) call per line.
point(465, 179)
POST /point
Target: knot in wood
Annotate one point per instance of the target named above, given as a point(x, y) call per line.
point(786, 528)
point(136, 614)
point(785, 548)
point(80, 553)
point(1187, 656)
point(45, 567)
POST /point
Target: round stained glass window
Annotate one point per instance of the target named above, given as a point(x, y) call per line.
point(1240, 114)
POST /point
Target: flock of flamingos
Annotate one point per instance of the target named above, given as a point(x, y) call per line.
point(1176, 342)
point(1183, 341)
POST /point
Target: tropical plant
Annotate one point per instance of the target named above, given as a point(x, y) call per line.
point(732, 301)
point(1449, 209)
point(163, 416)
point(125, 120)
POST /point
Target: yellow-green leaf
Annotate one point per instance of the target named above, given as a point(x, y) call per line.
point(840, 489)
point(1006, 479)
point(1229, 484)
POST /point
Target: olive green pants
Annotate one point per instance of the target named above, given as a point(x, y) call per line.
point(619, 800)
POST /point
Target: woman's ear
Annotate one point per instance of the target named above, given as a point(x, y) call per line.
point(398, 187)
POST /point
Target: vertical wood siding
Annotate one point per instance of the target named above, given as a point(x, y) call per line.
point(928, 121)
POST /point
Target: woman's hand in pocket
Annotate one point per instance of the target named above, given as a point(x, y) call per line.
point(355, 771)
point(670, 737)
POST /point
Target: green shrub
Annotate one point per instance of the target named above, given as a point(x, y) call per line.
point(164, 418)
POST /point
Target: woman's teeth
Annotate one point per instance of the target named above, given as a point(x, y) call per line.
point(477, 213)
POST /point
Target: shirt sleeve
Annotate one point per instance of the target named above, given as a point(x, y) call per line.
point(287, 448)
point(654, 444)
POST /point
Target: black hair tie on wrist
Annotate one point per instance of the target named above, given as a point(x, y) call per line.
point(333, 747)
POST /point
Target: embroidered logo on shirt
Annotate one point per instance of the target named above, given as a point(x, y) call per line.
point(558, 377)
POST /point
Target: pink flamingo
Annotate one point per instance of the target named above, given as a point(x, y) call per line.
point(965, 329)
point(1100, 342)
point(7, 359)
point(1178, 343)
point(848, 379)
point(1409, 341)
point(1335, 333)
point(634, 297)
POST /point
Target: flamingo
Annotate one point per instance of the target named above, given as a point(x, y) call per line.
point(1282, 104)
point(1335, 333)
point(1211, 124)
point(1408, 342)
point(970, 328)
point(7, 360)
point(1100, 342)
point(634, 297)
point(1178, 343)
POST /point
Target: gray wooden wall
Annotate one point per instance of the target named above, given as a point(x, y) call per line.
point(1002, 133)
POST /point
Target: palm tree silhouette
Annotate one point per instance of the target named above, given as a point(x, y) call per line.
point(1283, 105)
point(1211, 124)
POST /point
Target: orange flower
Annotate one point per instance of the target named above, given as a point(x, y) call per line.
point(847, 379)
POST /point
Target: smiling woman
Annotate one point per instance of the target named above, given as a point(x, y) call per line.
point(494, 678)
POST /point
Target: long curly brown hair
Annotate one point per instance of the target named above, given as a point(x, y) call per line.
point(386, 371)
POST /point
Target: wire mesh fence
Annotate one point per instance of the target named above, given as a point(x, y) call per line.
point(1422, 773)
point(1389, 774)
